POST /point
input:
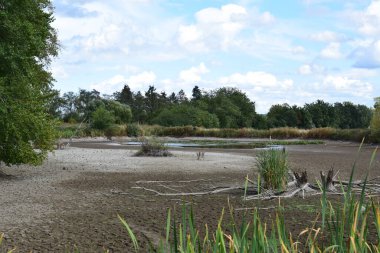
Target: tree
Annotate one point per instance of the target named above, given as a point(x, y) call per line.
point(87, 102)
point(125, 96)
point(303, 117)
point(70, 112)
point(183, 115)
point(233, 107)
point(181, 96)
point(322, 113)
point(139, 111)
point(151, 100)
point(282, 116)
point(27, 45)
point(121, 112)
point(55, 105)
point(197, 93)
point(101, 118)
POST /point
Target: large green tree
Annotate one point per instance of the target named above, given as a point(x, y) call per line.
point(27, 44)
point(282, 116)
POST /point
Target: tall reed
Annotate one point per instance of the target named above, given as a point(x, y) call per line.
point(273, 168)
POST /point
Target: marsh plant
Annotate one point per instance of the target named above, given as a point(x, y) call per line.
point(273, 168)
point(153, 147)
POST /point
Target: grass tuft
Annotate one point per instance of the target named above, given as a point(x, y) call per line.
point(273, 168)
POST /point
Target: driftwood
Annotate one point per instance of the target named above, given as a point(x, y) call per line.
point(297, 185)
point(328, 181)
point(215, 191)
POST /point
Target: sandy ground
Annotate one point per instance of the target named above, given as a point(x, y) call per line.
point(73, 199)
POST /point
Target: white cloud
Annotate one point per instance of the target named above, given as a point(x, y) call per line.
point(135, 82)
point(332, 51)
point(193, 74)
point(308, 69)
point(191, 37)
point(326, 36)
point(347, 85)
point(370, 19)
point(257, 80)
point(367, 56)
point(305, 69)
point(105, 38)
point(298, 50)
point(59, 71)
point(111, 85)
point(214, 28)
point(267, 18)
point(144, 78)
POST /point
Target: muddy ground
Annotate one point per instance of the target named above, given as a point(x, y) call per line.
point(73, 199)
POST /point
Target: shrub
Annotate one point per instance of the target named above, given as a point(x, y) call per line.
point(134, 130)
point(182, 115)
point(152, 147)
point(273, 168)
point(102, 119)
point(115, 130)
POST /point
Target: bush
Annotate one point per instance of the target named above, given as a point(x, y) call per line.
point(102, 119)
point(134, 130)
point(115, 130)
point(273, 168)
point(152, 147)
point(182, 115)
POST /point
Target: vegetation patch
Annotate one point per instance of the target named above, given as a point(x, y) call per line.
point(273, 168)
point(152, 147)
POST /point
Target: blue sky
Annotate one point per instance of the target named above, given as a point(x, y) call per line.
point(277, 52)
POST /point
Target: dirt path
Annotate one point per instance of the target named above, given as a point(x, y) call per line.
point(71, 199)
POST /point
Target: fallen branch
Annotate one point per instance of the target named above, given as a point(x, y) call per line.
point(222, 190)
point(185, 181)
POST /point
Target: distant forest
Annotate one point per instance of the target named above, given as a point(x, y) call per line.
point(219, 108)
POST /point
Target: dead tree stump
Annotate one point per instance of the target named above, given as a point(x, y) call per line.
point(301, 178)
point(328, 181)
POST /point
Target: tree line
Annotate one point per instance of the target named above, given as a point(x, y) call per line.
point(220, 108)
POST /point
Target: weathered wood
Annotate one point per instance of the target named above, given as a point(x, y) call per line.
point(190, 193)
point(328, 181)
point(301, 179)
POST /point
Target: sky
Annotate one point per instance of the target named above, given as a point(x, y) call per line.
point(294, 51)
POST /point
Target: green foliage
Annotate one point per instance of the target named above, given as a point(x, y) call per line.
point(102, 119)
point(183, 115)
point(282, 116)
point(115, 130)
point(375, 122)
point(232, 107)
point(121, 112)
point(134, 130)
point(28, 42)
point(322, 113)
point(152, 147)
point(273, 168)
point(223, 107)
point(72, 130)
